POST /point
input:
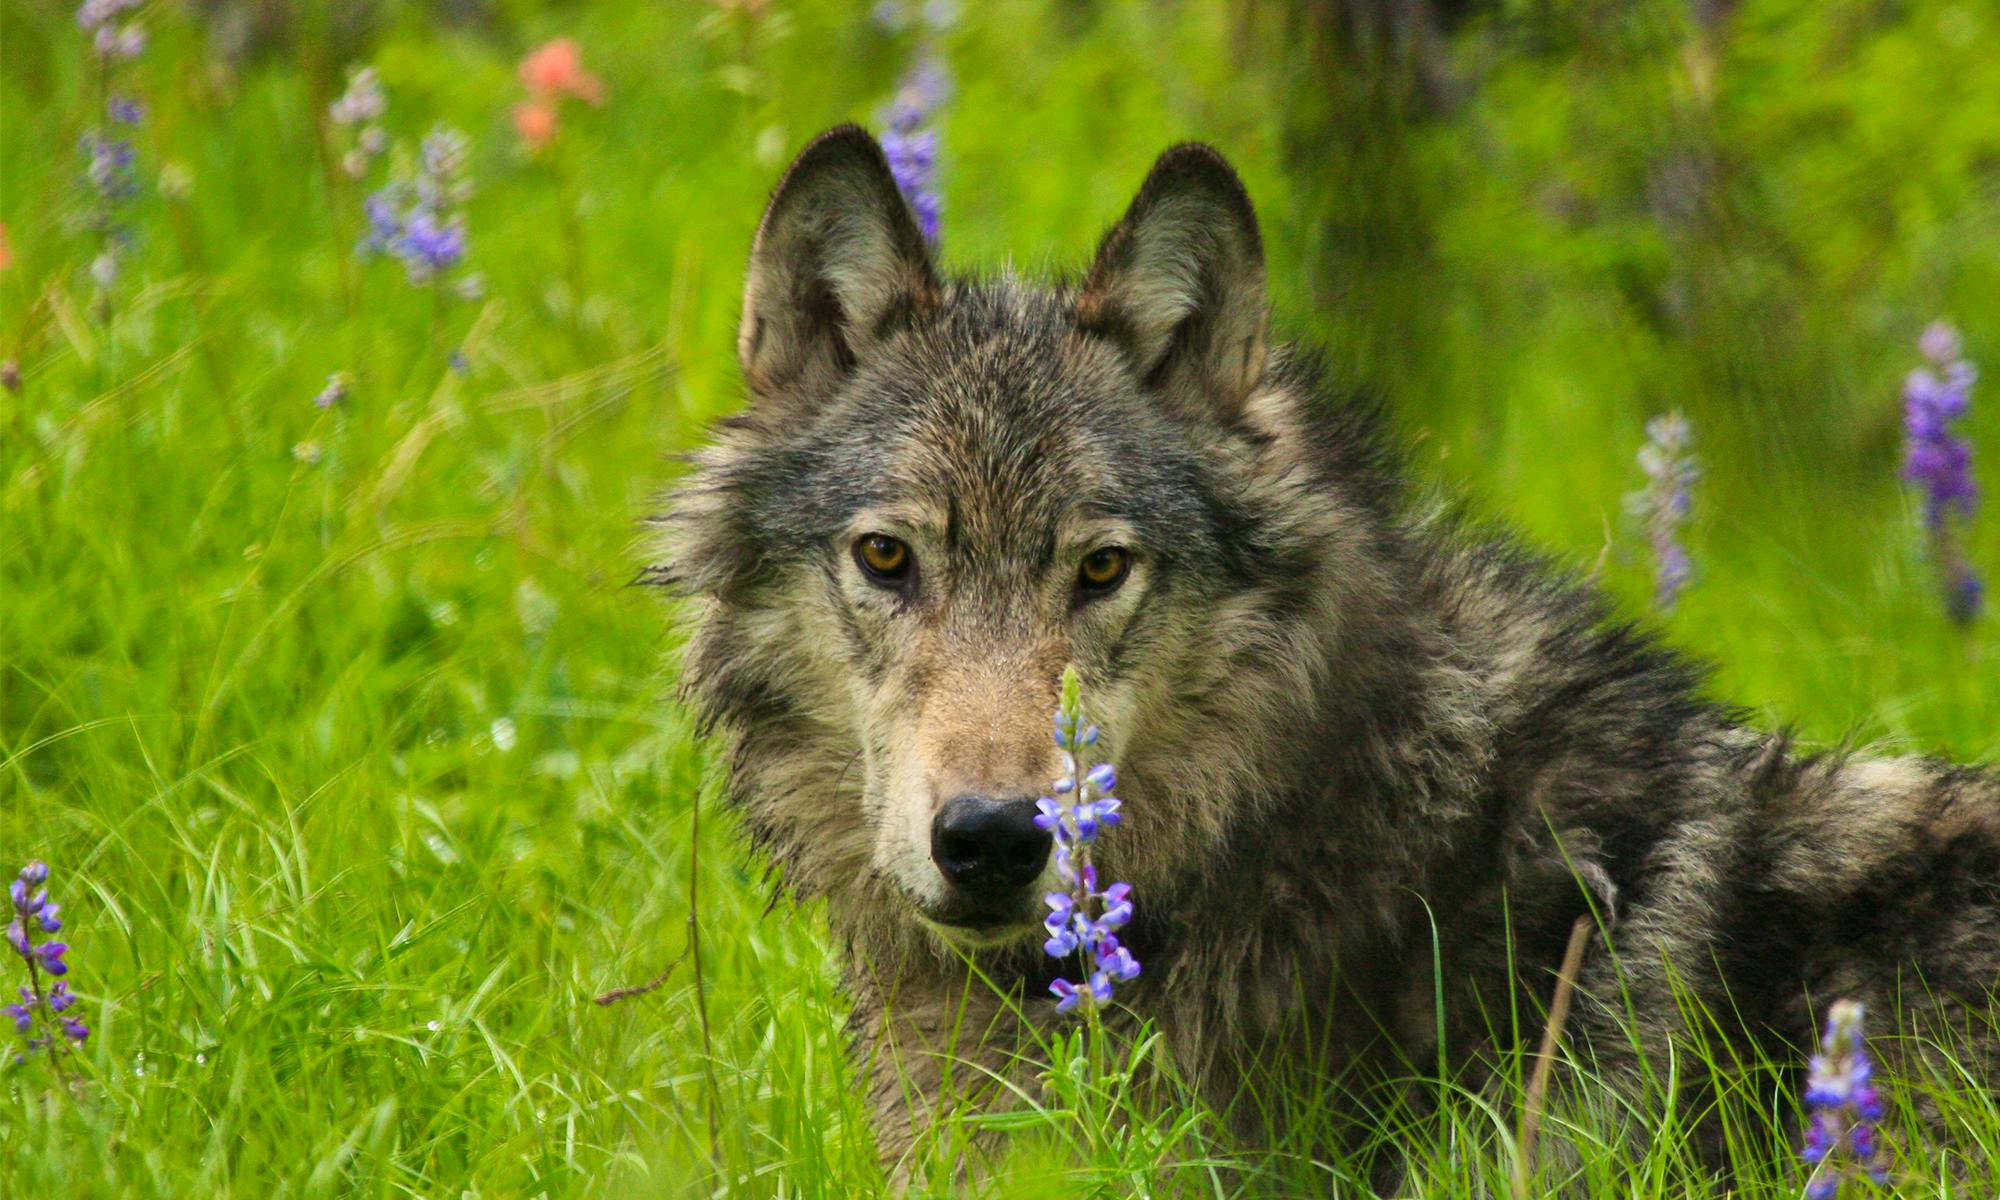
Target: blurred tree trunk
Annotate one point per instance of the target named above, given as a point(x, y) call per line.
point(1373, 95)
point(1365, 72)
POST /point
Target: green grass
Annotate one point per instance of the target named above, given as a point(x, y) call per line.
point(360, 777)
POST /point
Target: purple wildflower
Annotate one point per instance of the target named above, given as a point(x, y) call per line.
point(108, 167)
point(1075, 825)
point(335, 390)
point(1938, 460)
point(92, 14)
point(909, 140)
point(112, 41)
point(385, 221)
point(1843, 1134)
point(1666, 502)
point(362, 102)
point(32, 911)
point(444, 183)
point(430, 245)
point(894, 16)
point(120, 43)
point(418, 221)
point(360, 109)
point(108, 161)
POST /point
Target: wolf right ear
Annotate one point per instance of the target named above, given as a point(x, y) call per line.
point(838, 264)
point(1178, 283)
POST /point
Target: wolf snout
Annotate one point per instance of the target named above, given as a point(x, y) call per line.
point(988, 848)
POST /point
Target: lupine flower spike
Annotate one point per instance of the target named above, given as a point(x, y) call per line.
point(108, 155)
point(1666, 501)
point(909, 136)
point(1939, 461)
point(41, 1008)
point(1082, 918)
point(360, 110)
point(335, 391)
point(419, 221)
point(1843, 1136)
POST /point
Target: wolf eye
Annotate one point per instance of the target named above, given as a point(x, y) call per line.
point(883, 558)
point(1103, 570)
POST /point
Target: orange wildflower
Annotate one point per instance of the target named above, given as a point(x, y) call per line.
point(535, 121)
point(556, 69)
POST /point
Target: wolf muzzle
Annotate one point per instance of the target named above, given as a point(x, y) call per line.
point(988, 850)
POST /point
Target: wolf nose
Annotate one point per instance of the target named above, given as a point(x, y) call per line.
point(988, 847)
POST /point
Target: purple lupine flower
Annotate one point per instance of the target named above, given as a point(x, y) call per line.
point(888, 16)
point(92, 15)
point(1075, 825)
point(26, 902)
point(383, 210)
point(32, 909)
point(1666, 502)
point(335, 390)
point(359, 109)
point(894, 16)
point(119, 43)
point(909, 140)
point(444, 182)
point(1940, 462)
point(431, 246)
point(417, 220)
point(1843, 1134)
point(362, 102)
point(108, 167)
point(108, 161)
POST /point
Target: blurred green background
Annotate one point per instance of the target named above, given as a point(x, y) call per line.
point(353, 751)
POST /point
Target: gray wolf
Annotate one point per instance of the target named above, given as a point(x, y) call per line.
point(1365, 745)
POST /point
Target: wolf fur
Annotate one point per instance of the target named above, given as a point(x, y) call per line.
point(1363, 746)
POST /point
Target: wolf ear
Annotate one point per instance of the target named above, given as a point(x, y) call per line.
point(1179, 282)
point(838, 264)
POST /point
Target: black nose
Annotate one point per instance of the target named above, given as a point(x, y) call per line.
point(988, 847)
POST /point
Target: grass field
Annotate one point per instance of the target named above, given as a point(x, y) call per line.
point(352, 749)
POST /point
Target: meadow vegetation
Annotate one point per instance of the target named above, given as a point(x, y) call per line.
point(352, 746)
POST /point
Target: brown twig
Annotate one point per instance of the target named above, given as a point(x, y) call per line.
point(1534, 1103)
point(701, 982)
point(656, 982)
point(690, 951)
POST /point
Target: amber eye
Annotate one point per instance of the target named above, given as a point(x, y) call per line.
point(883, 558)
point(1103, 569)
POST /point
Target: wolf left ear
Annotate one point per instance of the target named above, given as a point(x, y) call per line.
point(838, 264)
point(1179, 282)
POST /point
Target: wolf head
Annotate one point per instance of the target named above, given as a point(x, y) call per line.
point(941, 492)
